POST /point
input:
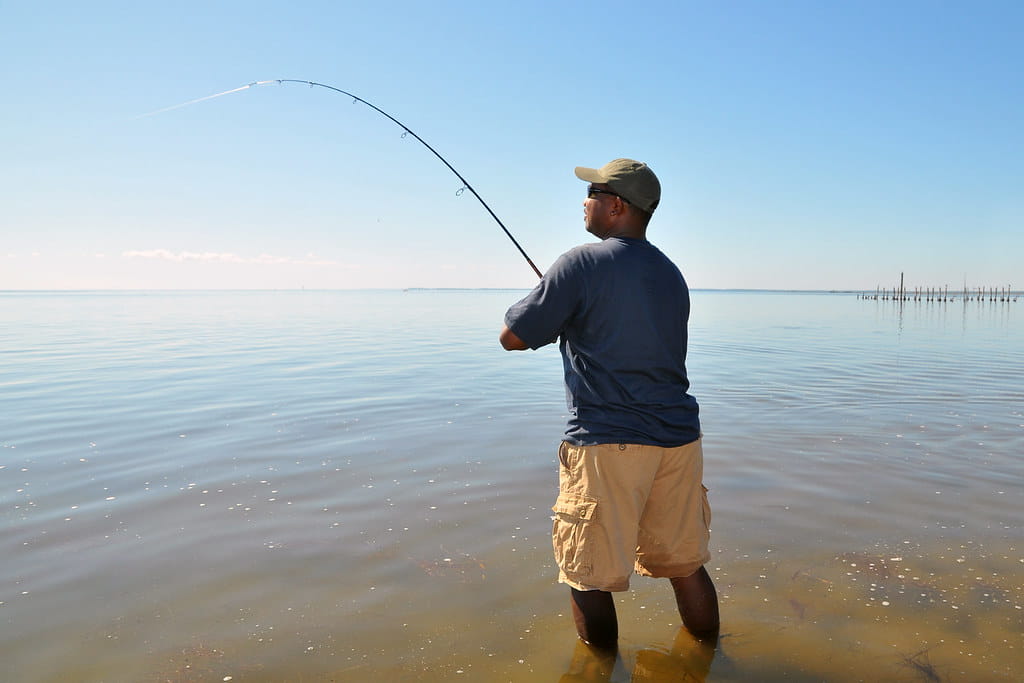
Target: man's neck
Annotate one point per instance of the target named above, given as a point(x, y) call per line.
point(630, 232)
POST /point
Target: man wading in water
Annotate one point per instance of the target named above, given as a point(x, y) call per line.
point(631, 495)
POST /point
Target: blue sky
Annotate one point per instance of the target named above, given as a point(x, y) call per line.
point(800, 145)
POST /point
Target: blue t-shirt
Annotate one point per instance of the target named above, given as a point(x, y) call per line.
point(621, 308)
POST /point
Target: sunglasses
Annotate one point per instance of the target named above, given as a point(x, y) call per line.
point(593, 191)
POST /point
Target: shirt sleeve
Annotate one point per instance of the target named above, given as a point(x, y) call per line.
point(542, 315)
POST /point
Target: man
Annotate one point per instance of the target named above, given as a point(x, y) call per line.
point(631, 496)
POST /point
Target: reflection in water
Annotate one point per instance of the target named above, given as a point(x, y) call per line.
point(689, 659)
point(593, 665)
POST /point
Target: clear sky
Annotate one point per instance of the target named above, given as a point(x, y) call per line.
point(800, 145)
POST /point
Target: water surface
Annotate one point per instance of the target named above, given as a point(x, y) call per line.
point(316, 486)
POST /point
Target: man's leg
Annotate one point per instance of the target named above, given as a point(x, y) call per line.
point(594, 614)
point(698, 603)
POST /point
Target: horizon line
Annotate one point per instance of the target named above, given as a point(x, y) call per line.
point(454, 289)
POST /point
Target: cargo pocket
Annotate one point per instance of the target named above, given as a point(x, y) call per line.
point(573, 514)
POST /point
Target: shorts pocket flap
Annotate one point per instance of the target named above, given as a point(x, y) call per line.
point(576, 506)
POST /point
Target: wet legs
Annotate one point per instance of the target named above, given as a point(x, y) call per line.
point(594, 614)
point(696, 598)
point(698, 603)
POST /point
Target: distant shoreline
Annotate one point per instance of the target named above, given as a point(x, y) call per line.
point(5, 292)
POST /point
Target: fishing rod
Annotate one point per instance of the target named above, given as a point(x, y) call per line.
point(405, 128)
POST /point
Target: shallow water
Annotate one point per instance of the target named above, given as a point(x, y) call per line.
point(316, 486)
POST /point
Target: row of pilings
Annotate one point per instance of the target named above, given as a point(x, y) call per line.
point(942, 294)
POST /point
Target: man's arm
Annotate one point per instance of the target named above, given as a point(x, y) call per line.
point(510, 341)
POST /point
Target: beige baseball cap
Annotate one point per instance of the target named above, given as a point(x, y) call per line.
point(633, 180)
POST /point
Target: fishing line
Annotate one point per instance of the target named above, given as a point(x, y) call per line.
point(406, 131)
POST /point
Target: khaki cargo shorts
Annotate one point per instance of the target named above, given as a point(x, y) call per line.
point(626, 507)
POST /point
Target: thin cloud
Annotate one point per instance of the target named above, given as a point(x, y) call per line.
point(223, 257)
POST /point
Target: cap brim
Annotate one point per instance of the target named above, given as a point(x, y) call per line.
point(591, 175)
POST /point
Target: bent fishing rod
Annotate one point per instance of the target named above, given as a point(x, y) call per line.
point(405, 129)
